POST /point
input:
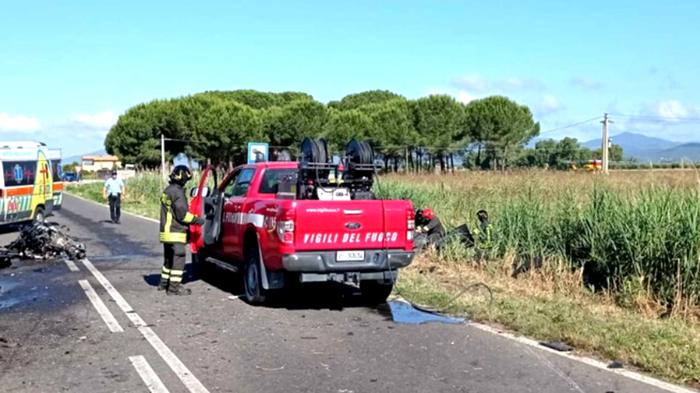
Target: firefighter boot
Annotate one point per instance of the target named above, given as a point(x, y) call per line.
point(176, 288)
point(163, 286)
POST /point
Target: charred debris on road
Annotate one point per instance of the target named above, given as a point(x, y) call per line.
point(42, 241)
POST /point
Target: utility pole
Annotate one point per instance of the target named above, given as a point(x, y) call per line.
point(606, 144)
point(162, 156)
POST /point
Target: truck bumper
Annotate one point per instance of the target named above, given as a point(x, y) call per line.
point(325, 261)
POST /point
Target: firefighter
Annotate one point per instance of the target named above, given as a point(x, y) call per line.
point(484, 235)
point(429, 229)
point(174, 221)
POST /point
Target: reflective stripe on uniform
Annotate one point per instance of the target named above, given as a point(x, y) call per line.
point(168, 222)
point(165, 272)
point(176, 275)
point(189, 218)
point(170, 237)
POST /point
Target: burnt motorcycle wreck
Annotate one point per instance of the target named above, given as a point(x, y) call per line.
point(42, 241)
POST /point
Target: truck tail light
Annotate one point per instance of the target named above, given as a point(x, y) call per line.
point(285, 227)
point(285, 231)
point(410, 224)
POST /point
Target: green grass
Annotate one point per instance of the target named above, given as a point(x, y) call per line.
point(631, 234)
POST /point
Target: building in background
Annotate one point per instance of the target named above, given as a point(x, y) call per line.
point(99, 163)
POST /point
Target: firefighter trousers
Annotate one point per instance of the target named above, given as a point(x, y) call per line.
point(173, 269)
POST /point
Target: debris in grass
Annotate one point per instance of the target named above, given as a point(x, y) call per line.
point(616, 364)
point(557, 346)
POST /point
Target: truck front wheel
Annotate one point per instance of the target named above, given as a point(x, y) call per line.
point(252, 280)
point(375, 292)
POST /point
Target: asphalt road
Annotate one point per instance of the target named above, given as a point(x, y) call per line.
point(320, 339)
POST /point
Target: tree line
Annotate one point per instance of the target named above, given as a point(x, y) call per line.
point(413, 134)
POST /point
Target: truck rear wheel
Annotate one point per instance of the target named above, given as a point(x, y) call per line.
point(375, 292)
point(252, 280)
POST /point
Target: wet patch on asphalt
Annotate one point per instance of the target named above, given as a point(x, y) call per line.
point(37, 286)
point(406, 313)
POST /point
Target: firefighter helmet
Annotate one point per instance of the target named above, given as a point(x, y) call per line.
point(181, 174)
point(428, 214)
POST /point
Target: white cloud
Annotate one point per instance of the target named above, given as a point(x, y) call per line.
point(18, 123)
point(473, 82)
point(100, 121)
point(586, 83)
point(673, 110)
point(464, 97)
point(551, 104)
point(480, 84)
point(520, 84)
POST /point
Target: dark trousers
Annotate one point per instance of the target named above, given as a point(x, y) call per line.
point(173, 264)
point(115, 207)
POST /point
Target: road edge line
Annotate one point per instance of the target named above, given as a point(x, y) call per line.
point(657, 383)
point(148, 376)
point(101, 308)
point(107, 206)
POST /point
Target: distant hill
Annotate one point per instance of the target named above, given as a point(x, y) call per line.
point(686, 151)
point(72, 159)
point(636, 145)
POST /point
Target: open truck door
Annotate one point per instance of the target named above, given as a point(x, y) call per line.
point(207, 202)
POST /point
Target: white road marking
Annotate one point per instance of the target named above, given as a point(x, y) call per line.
point(107, 316)
point(71, 265)
point(669, 387)
point(149, 377)
point(179, 368)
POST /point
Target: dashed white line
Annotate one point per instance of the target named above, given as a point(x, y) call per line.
point(149, 377)
point(183, 373)
point(71, 265)
point(104, 312)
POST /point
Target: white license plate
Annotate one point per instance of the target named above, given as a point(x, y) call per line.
point(345, 256)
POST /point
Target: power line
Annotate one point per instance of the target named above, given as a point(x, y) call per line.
point(570, 125)
point(677, 120)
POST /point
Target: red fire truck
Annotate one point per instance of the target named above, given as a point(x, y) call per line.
point(306, 221)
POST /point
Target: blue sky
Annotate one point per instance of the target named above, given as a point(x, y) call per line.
point(69, 69)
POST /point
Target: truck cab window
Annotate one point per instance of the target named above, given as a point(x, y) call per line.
point(240, 187)
point(228, 188)
point(272, 178)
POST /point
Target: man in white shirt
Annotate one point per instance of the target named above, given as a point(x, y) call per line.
point(113, 190)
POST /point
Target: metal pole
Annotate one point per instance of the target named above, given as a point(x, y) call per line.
point(605, 142)
point(162, 156)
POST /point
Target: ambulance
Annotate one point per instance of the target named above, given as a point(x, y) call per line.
point(30, 186)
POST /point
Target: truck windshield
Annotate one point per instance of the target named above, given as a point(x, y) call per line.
point(272, 178)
